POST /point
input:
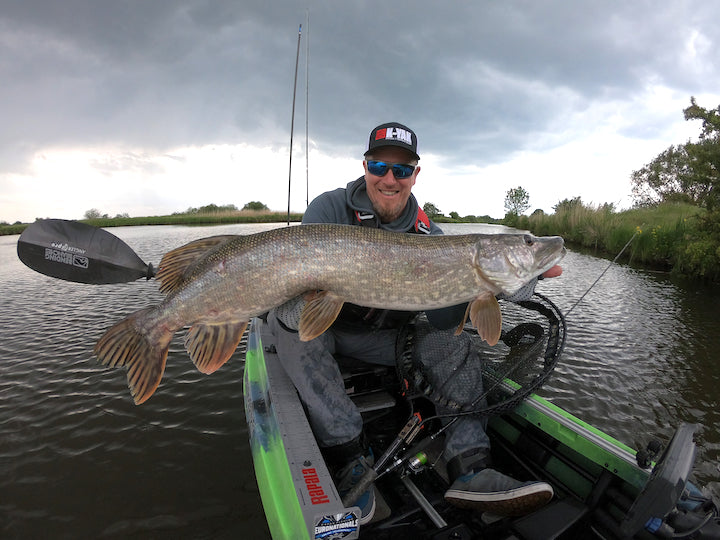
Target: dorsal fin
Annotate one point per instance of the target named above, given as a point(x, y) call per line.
point(175, 263)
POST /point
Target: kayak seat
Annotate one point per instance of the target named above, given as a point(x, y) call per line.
point(369, 386)
point(373, 401)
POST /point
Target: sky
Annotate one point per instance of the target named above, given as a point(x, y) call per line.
point(154, 107)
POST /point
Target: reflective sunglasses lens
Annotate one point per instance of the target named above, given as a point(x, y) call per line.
point(402, 171)
point(377, 168)
point(380, 168)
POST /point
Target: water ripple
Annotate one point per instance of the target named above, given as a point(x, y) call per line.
point(79, 458)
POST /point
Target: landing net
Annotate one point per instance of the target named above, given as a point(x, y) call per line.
point(530, 346)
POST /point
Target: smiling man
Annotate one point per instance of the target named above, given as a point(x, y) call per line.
point(382, 198)
point(390, 171)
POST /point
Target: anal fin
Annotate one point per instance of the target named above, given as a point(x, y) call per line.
point(211, 345)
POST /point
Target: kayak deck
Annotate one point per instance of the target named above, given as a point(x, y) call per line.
point(295, 485)
point(600, 490)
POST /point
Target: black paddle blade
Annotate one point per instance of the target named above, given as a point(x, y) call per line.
point(78, 252)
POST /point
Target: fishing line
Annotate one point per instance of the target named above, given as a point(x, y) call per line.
point(603, 273)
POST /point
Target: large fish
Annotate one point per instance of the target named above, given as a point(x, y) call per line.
point(216, 285)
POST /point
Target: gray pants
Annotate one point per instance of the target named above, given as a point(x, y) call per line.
point(449, 362)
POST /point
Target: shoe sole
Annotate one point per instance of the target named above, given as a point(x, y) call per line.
point(368, 517)
point(515, 502)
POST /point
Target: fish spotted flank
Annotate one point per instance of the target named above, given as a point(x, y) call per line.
point(216, 285)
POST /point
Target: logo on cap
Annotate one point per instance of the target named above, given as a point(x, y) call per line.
point(395, 134)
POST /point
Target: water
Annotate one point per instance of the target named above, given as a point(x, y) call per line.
point(79, 460)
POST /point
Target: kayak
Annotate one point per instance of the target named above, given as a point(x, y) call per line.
point(603, 488)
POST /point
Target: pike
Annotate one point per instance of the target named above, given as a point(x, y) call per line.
point(216, 285)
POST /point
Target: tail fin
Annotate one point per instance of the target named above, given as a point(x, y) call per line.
point(124, 345)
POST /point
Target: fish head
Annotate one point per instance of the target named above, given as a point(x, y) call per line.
point(506, 262)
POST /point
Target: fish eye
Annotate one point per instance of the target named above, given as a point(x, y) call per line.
point(529, 241)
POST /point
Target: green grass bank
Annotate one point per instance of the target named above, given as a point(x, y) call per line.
point(215, 218)
point(676, 237)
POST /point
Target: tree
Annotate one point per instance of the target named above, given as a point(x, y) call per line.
point(517, 201)
point(94, 213)
point(431, 210)
point(215, 209)
point(255, 205)
point(688, 172)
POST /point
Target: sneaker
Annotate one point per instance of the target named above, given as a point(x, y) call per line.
point(350, 475)
point(491, 491)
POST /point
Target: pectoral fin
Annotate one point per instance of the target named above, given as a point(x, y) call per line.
point(485, 315)
point(320, 311)
point(461, 326)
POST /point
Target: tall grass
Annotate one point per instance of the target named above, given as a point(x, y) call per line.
point(211, 218)
point(673, 236)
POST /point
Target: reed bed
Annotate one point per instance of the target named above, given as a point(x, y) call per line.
point(676, 237)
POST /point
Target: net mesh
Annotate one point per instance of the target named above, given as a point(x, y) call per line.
point(531, 344)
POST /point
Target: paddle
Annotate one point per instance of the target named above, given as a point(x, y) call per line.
point(78, 252)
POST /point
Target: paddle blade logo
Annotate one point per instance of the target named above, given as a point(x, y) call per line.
point(66, 258)
point(337, 526)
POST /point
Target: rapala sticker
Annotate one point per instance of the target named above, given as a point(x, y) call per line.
point(314, 487)
point(336, 526)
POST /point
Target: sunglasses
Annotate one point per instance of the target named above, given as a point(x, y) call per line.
point(399, 170)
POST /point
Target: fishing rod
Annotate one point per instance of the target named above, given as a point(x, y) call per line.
point(403, 453)
point(307, 99)
point(292, 120)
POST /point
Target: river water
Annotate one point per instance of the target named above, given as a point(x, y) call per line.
point(79, 460)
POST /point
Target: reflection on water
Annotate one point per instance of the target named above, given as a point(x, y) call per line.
point(78, 458)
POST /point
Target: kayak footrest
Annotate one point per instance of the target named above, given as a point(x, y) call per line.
point(373, 401)
point(551, 521)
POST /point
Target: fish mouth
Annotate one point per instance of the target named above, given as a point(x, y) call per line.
point(552, 256)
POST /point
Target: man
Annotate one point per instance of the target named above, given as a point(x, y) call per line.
point(382, 198)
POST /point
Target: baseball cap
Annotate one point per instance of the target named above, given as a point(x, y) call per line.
point(393, 134)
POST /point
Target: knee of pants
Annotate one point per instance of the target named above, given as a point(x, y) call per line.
point(451, 365)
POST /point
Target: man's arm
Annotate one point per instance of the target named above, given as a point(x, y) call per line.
point(327, 208)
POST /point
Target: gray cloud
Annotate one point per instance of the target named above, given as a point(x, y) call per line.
point(477, 80)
